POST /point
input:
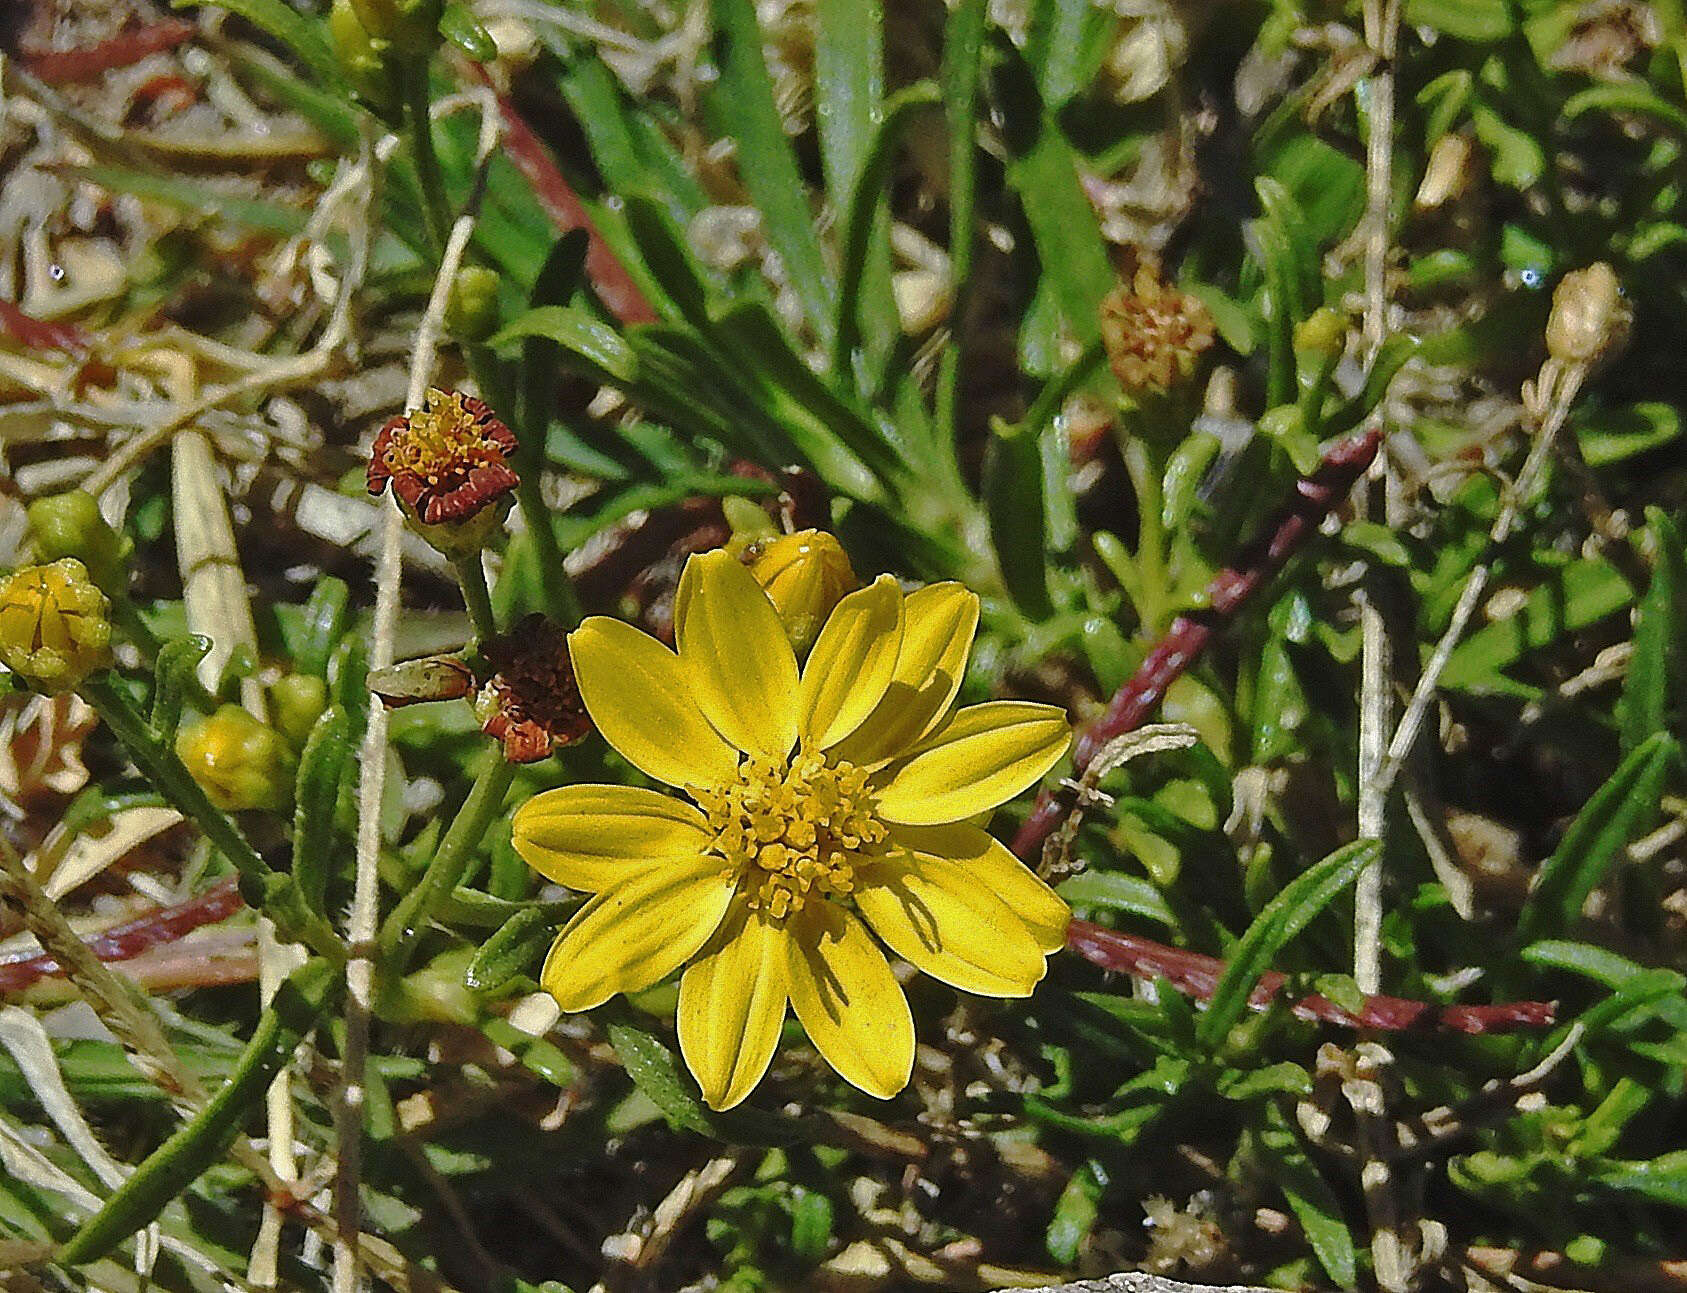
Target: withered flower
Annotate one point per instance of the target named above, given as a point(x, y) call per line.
point(532, 703)
point(449, 466)
point(1154, 333)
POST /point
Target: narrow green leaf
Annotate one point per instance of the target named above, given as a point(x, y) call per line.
point(512, 950)
point(1117, 892)
point(1013, 499)
point(204, 1139)
point(316, 844)
point(1075, 1214)
point(1618, 812)
point(326, 616)
point(1311, 1200)
point(196, 198)
point(743, 100)
point(1660, 652)
point(461, 28)
point(963, 45)
point(1580, 593)
point(1284, 916)
point(175, 678)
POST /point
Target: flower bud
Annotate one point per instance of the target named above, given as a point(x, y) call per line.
point(805, 575)
point(296, 701)
point(472, 311)
point(412, 26)
point(364, 59)
point(70, 525)
point(1590, 318)
point(1153, 333)
point(449, 467)
point(237, 761)
point(1322, 334)
point(55, 628)
point(410, 682)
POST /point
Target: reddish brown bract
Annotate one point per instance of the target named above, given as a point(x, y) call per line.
point(445, 462)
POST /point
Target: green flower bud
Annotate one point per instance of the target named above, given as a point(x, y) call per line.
point(472, 311)
point(363, 58)
point(55, 626)
point(412, 26)
point(296, 701)
point(70, 525)
point(237, 761)
point(1322, 335)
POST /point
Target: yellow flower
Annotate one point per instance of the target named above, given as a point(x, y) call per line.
point(820, 801)
point(54, 625)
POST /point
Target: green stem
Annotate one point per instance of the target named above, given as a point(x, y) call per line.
point(135, 628)
point(436, 211)
point(562, 603)
point(261, 885)
point(471, 574)
point(450, 862)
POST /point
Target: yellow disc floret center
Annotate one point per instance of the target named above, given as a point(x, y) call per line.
point(793, 830)
point(441, 442)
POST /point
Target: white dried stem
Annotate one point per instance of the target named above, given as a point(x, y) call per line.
point(364, 920)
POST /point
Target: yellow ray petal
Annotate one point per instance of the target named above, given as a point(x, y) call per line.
point(736, 655)
point(989, 865)
point(851, 664)
point(640, 699)
point(847, 999)
point(636, 933)
point(931, 912)
point(731, 1007)
point(591, 837)
point(938, 625)
point(982, 757)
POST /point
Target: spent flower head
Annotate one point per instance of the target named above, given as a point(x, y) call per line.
point(55, 626)
point(532, 703)
point(449, 467)
point(1590, 316)
point(1153, 333)
point(824, 802)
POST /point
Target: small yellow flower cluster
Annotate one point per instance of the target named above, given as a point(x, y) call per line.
point(787, 830)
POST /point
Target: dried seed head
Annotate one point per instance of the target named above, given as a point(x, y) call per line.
point(239, 762)
point(805, 575)
point(1153, 332)
point(1450, 174)
point(449, 467)
point(532, 704)
point(55, 626)
point(1590, 317)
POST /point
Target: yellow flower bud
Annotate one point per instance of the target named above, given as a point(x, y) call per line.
point(805, 575)
point(237, 761)
point(1322, 334)
point(296, 701)
point(70, 525)
point(55, 628)
point(1590, 318)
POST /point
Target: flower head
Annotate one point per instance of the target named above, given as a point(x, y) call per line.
point(1590, 317)
point(823, 802)
point(55, 628)
point(449, 465)
point(239, 762)
point(532, 703)
point(1153, 332)
point(805, 575)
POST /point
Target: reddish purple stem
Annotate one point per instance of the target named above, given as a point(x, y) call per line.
point(40, 334)
point(1197, 976)
point(69, 66)
point(131, 938)
point(1189, 634)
